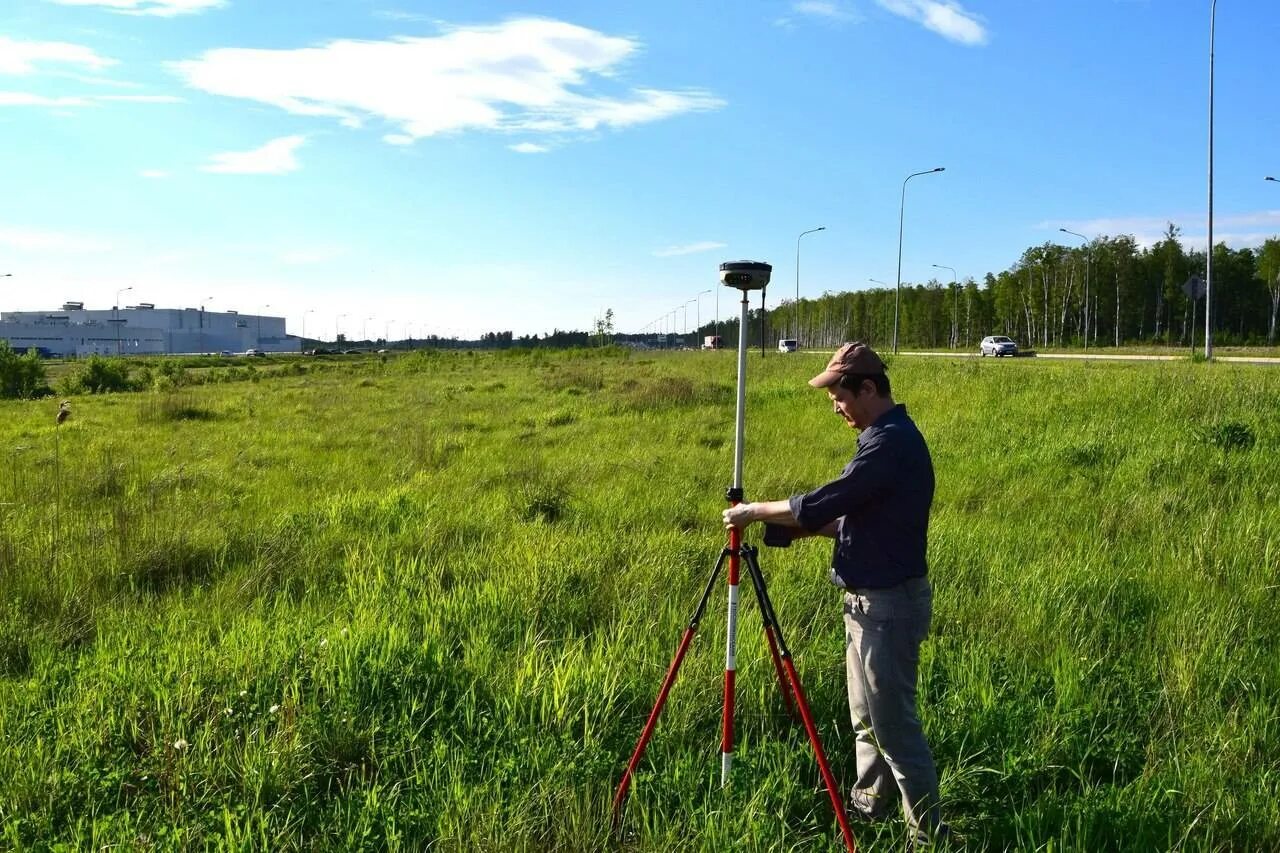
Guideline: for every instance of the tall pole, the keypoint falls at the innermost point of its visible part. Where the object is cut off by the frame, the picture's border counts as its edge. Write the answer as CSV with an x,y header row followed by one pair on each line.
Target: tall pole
x,y
202,304
258,343
1208,255
955,305
304,322
116,320
698,312
902,207
1088,261
796,334
335,327
364,328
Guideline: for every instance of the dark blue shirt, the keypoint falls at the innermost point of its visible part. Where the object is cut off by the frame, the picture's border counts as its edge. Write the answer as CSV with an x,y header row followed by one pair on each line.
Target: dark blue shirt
x,y
882,500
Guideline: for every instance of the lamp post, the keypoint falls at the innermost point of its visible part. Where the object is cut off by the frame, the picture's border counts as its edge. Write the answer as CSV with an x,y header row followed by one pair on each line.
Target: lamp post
x,y
336,333
802,233
1088,260
203,302
698,314
1208,255
116,310
364,328
902,207
304,322
955,305
686,317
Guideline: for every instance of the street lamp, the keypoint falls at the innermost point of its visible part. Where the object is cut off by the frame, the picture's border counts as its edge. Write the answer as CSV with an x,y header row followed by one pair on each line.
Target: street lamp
x,y
1088,259
902,207
336,333
116,310
802,233
1208,255
203,302
304,322
698,314
364,324
955,305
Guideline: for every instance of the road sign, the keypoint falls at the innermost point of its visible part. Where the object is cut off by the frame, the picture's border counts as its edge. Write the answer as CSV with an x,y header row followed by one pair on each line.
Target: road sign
x,y
1194,287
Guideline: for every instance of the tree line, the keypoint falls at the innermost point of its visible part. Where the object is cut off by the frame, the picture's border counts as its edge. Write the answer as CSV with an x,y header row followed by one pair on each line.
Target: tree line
x,y
1110,292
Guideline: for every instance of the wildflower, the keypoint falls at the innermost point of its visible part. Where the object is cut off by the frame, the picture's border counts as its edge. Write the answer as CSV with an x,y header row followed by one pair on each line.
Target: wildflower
x,y
324,641
244,693
229,711
344,632
273,709
180,744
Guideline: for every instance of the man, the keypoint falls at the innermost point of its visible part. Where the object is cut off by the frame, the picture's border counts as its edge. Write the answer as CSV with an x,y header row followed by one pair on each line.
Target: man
x,y
877,510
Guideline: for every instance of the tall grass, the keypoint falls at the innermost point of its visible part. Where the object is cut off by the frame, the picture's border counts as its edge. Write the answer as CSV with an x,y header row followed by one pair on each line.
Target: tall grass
x,y
428,604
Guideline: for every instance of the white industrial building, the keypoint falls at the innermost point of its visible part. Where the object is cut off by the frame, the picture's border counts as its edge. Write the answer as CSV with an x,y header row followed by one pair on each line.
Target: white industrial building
x,y
143,329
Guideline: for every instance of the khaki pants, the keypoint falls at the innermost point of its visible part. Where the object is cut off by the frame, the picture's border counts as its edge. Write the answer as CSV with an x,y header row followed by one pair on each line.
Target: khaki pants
x,y
883,632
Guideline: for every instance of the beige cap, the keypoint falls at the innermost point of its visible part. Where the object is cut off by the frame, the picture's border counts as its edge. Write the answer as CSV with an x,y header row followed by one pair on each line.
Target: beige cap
x,y
856,357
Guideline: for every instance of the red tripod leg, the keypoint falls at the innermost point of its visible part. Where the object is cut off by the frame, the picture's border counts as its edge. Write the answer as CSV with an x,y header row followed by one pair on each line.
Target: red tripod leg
x,y
771,624
625,784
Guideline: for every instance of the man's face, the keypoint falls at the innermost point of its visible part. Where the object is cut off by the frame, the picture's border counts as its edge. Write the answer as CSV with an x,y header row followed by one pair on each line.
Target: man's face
x,y
850,405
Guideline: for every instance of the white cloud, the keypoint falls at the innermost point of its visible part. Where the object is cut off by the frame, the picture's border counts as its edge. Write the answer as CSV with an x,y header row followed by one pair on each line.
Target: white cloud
x,y
527,75
944,17
688,249
27,99
141,99
529,148
35,240
21,57
274,158
159,8
827,9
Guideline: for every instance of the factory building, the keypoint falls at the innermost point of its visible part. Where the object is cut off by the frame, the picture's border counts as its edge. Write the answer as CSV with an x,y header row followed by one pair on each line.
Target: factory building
x,y
143,329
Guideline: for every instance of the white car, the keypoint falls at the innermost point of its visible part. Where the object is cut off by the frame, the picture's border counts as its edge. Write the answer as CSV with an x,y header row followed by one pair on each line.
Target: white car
x,y
788,345
998,345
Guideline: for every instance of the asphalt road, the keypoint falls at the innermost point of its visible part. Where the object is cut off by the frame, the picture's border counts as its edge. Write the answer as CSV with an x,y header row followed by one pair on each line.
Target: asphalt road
x,y
1240,359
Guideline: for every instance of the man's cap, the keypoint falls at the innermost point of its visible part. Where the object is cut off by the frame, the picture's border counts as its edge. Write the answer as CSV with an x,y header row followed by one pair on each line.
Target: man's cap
x,y
856,357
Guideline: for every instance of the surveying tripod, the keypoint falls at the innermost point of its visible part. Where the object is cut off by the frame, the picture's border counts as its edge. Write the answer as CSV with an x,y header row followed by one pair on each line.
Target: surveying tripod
x,y
745,276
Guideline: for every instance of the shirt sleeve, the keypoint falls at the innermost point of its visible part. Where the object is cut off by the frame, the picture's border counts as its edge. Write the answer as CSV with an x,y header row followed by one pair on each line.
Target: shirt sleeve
x,y
869,474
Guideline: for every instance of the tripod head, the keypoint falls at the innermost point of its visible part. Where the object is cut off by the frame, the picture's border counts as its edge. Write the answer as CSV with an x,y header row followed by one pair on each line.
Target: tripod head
x,y
745,275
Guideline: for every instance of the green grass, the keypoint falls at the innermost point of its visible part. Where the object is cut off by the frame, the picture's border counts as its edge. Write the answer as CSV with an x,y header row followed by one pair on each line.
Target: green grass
x,y
428,603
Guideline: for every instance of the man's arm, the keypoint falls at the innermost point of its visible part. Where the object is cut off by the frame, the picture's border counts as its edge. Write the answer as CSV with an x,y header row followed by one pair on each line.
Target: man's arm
x,y
776,513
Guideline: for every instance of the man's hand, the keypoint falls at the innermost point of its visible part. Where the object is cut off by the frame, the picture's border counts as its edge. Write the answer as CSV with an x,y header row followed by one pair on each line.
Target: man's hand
x,y
739,516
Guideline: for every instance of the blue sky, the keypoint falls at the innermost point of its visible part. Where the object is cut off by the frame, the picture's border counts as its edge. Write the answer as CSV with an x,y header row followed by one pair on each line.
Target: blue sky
x,y
452,168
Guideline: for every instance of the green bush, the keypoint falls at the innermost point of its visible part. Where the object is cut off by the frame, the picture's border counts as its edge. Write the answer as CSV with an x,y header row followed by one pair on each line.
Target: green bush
x,y
97,375
21,376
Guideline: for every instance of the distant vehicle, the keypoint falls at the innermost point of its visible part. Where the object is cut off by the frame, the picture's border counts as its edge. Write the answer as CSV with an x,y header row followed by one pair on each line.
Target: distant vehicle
x,y
351,352
226,353
711,342
319,351
381,351
788,345
254,352
997,345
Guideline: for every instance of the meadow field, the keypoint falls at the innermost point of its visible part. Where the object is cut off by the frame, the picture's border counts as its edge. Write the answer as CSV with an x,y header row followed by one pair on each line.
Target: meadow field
x,y
426,602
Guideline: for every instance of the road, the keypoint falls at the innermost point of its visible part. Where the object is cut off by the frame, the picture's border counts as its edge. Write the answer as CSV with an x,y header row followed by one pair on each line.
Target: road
x,y
1239,359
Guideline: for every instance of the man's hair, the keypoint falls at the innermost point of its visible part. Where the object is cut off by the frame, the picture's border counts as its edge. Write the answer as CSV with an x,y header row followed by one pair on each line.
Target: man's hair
x,y
853,382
